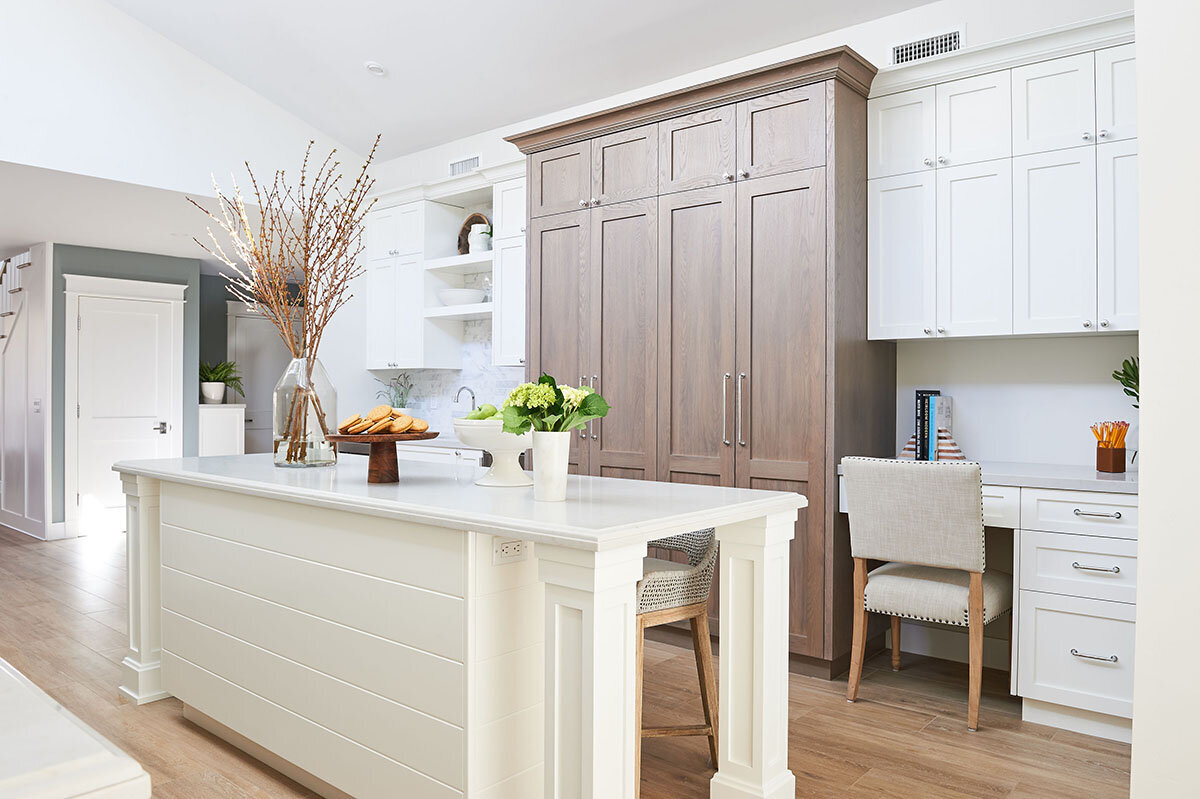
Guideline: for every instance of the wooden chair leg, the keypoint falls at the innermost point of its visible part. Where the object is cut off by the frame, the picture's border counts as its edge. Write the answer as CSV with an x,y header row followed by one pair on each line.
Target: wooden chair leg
x,y
895,643
858,640
637,713
702,645
975,632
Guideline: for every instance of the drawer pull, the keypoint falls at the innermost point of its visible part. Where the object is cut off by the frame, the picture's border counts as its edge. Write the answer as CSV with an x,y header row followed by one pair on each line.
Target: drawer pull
x,y
1113,515
1081,567
1109,659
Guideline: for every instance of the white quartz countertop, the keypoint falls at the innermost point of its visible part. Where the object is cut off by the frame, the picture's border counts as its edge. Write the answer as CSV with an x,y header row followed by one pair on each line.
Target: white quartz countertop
x,y
599,513
1051,475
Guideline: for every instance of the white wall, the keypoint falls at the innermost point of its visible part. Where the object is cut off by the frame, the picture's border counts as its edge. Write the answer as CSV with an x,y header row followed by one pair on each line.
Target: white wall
x,y
1166,693
985,21
97,93
1020,399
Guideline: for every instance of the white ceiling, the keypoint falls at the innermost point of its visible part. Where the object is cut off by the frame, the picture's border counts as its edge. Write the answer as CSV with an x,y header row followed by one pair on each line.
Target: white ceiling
x,y
39,205
457,68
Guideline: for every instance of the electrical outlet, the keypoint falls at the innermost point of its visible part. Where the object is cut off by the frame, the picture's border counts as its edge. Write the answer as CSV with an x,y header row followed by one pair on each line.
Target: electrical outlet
x,y
511,551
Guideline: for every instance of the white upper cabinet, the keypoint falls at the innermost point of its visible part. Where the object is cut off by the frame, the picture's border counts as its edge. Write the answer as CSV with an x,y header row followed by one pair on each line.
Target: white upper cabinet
x,y
901,135
901,257
974,119
974,249
383,234
1117,236
508,208
382,288
1116,94
1054,242
1054,104
508,316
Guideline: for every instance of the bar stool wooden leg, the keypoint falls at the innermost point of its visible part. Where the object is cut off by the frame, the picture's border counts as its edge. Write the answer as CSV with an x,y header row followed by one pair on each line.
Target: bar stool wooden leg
x,y
895,643
702,645
637,715
975,633
858,642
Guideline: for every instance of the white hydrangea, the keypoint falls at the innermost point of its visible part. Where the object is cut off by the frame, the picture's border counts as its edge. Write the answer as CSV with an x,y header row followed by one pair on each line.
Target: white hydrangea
x,y
573,396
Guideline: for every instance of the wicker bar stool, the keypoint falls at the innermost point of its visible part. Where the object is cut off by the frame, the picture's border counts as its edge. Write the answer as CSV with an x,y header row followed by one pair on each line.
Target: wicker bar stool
x,y
670,592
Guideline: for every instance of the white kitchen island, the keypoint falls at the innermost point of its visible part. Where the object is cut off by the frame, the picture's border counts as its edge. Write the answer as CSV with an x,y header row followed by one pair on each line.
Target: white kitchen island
x,y
370,641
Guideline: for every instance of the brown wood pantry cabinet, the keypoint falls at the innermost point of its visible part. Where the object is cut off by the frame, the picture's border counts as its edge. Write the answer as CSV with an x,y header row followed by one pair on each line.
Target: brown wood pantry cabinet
x,y
699,258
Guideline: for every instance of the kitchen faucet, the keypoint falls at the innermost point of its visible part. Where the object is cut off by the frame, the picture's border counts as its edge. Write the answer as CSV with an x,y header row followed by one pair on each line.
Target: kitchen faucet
x,y
458,394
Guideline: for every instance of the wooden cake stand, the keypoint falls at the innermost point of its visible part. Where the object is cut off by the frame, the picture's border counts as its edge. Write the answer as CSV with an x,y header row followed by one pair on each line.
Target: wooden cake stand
x,y
381,468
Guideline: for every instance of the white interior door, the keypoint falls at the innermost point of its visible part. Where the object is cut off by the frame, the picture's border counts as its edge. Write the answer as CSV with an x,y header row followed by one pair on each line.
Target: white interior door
x,y
254,345
128,389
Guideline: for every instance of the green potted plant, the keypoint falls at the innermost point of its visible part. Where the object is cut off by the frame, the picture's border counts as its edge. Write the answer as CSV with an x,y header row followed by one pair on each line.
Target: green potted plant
x,y
395,392
1129,376
215,379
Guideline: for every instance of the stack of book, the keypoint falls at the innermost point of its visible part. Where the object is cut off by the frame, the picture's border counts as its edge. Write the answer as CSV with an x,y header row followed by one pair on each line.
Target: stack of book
x,y
933,423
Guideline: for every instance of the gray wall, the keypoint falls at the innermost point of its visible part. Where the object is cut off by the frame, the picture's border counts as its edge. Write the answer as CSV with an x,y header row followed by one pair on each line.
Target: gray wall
x,y
213,318
71,260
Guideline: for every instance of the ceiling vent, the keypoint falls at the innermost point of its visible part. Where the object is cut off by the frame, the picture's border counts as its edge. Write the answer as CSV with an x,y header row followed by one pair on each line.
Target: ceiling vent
x,y
464,166
928,47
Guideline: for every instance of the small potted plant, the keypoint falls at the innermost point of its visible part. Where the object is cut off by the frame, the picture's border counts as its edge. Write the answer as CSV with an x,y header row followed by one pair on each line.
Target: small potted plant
x,y
215,379
395,392
551,411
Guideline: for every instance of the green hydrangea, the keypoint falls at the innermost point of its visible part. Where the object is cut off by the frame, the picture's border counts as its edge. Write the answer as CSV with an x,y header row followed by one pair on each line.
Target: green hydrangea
x,y
573,396
531,396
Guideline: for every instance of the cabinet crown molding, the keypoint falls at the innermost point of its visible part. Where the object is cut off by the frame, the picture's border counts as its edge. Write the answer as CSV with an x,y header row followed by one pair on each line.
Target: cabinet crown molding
x,y
839,63
1080,37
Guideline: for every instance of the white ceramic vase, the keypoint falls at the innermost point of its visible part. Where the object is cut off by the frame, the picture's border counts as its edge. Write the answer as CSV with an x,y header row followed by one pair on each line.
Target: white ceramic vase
x,y
550,451
212,393
478,240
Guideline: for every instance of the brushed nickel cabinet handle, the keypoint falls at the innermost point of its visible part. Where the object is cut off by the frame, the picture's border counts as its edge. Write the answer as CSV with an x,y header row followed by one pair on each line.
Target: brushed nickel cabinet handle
x,y
740,440
1085,656
594,422
17,290
725,409
583,430
1081,567
1097,514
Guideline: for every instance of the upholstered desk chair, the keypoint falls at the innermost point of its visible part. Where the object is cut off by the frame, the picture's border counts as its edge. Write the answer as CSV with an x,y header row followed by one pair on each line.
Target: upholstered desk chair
x,y
670,592
926,520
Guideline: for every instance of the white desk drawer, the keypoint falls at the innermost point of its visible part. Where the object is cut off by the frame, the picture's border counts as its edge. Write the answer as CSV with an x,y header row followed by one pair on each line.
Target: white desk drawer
x,y
1087,512
1076,652
1002,506
1079,565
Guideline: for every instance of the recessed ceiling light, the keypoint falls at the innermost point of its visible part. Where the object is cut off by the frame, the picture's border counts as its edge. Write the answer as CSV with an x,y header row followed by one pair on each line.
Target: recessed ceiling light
x,y
375,68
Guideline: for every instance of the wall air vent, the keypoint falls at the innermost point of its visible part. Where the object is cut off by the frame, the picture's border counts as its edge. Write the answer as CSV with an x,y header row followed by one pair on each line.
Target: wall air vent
x,y
928,47
464,166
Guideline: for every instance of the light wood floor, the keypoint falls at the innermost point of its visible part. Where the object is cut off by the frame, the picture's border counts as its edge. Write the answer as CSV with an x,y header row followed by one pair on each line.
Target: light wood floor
x,y
62,623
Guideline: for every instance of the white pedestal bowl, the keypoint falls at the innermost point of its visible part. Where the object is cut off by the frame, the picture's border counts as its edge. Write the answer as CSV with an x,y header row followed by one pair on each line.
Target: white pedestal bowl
x,y
505,448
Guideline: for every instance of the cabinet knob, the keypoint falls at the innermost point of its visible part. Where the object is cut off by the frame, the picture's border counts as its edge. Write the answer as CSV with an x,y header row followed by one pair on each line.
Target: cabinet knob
x,y
941,331
595,201
583,203
1087,136
1103,134
726,176
929,331
743,173
1087,322
941,159
928,162
522,228
1103,323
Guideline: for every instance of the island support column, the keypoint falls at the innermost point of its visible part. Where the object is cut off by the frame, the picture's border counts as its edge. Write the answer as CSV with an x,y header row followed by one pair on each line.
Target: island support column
x,y
141,670
591,641
753,682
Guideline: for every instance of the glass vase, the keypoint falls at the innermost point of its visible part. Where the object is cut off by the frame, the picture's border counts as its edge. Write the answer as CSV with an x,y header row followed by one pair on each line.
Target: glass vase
x,y
305,414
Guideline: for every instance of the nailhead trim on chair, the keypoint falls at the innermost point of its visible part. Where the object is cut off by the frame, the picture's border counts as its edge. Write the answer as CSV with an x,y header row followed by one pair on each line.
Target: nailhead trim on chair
x,y
966,622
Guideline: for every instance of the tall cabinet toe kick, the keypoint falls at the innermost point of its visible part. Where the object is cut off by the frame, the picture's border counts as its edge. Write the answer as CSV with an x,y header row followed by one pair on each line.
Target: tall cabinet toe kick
x,y
1074,591
700,258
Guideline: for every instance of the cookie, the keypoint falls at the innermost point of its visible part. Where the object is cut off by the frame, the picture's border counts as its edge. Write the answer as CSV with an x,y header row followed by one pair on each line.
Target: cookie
x,y
349,422
358,427
418,426
401,424
379,412
381,426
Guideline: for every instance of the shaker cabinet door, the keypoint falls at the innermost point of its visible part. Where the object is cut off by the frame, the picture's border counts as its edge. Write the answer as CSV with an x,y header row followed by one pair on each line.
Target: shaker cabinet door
x,y
623,317
1054,104
558,256
508,311
901,135
1116,94
1054,242
697,150
779,382
781,132
560,179
508,209
901,256
625,165
974,249
382,285
696,284
974,119
1117,235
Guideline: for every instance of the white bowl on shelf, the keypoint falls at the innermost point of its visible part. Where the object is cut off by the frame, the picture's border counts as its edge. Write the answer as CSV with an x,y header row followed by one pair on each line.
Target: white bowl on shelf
x,y
460,296
506,448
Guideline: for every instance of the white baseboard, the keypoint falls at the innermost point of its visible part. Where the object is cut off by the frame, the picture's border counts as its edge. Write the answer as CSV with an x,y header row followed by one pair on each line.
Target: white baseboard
x,y
1088,722
950,643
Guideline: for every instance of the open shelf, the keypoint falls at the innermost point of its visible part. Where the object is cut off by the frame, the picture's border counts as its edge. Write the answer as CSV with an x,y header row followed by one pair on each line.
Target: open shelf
x,y
462,264
475,310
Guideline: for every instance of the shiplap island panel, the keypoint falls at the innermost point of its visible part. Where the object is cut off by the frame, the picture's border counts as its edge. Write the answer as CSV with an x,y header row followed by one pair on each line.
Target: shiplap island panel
x,y
364,637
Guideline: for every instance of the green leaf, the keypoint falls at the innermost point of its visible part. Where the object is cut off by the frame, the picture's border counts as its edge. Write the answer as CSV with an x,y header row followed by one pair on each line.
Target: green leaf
x,y
594,406
515,421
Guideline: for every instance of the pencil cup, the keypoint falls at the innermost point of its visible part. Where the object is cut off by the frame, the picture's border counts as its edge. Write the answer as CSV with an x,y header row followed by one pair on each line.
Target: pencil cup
x,y
1110,459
